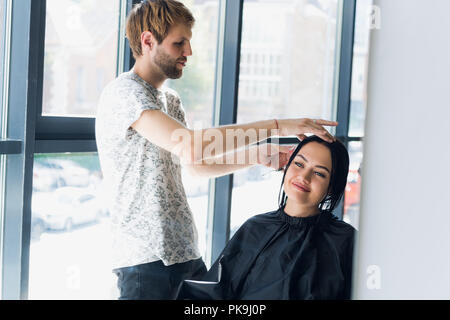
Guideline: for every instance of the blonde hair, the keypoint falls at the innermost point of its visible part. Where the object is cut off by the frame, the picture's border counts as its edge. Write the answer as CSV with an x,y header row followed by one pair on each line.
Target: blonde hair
x,y
156,16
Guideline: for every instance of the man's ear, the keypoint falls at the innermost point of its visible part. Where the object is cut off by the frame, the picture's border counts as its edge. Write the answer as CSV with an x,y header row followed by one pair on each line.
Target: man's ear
x,y
147,41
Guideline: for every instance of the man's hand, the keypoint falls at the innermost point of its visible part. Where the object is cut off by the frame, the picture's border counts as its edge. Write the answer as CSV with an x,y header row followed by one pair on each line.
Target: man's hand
x,y
300,127
274,156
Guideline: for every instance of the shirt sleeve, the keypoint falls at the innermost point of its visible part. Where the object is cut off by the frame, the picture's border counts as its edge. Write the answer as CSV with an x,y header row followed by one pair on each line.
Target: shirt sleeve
x,y
176,109
183,119
128,100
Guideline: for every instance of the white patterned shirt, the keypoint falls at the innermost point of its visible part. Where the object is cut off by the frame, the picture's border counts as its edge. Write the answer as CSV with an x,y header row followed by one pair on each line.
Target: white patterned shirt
x,y
150,216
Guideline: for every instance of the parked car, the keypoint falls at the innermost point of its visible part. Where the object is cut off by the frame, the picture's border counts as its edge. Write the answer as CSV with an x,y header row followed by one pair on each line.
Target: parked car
x,y
352,190
47,177
50,174
66,207
72,173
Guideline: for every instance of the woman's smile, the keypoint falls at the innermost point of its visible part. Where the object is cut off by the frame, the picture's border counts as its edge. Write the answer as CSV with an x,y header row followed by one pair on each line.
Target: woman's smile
x,y
301,187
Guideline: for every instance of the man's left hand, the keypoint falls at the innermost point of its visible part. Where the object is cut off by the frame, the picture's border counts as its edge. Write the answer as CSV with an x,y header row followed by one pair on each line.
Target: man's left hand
x,y
274,156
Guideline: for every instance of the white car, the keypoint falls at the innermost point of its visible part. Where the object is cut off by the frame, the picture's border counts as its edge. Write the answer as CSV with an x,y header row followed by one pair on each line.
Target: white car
x,y
66,207
73,174
47,177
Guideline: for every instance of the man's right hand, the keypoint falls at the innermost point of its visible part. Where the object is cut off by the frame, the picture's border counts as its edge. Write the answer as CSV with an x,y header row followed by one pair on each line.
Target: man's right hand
x,y
300,127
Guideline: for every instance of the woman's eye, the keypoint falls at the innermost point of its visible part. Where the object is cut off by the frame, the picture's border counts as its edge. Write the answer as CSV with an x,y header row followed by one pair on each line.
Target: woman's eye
x,y
298,164
178,43
320,174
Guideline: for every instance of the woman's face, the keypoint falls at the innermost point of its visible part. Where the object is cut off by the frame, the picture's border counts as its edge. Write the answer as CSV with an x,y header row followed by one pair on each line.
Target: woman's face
x,y
308,177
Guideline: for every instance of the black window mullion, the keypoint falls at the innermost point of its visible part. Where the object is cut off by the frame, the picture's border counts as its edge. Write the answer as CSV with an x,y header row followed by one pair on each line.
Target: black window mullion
x,y
65,128
11,146
345,69
65,146
39,44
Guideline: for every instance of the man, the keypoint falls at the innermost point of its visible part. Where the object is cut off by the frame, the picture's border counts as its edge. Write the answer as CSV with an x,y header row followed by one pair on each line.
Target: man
x,y
142,136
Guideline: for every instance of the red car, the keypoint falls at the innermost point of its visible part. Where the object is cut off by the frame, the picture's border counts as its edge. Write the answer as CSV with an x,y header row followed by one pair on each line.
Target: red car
x,y
352,190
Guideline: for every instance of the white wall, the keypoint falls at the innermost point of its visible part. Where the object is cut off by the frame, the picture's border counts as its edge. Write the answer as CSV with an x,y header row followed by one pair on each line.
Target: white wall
x,y
405,208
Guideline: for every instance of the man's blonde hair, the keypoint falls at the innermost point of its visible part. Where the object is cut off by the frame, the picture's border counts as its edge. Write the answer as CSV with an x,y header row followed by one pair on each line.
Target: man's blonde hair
x,y
156,16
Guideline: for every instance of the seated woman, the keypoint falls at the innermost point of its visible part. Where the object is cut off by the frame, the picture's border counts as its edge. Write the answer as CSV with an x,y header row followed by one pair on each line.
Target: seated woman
x,y
300,251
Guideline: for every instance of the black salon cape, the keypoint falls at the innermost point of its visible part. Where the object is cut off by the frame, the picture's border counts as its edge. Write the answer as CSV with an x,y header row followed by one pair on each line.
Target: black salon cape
x,y
274,256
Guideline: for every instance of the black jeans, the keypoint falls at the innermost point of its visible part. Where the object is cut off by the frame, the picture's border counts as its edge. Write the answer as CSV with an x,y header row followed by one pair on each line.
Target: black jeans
x,y
155,281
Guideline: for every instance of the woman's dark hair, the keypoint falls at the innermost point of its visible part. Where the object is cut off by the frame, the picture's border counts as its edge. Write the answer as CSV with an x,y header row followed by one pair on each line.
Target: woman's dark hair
x,y
339,172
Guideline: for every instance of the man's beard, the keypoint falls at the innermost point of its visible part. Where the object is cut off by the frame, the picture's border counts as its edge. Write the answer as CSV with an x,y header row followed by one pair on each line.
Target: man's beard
x,y
167,65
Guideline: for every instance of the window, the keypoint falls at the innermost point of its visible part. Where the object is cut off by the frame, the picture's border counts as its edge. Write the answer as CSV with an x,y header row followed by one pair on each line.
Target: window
x,y
300,37
81,37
